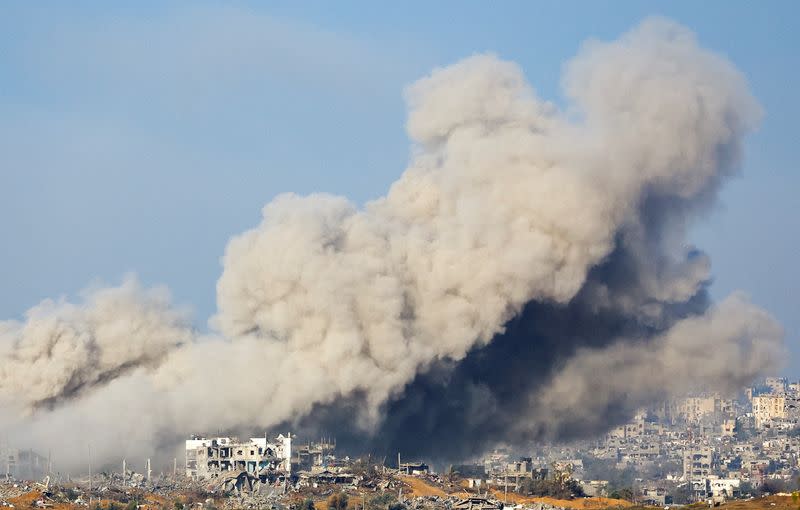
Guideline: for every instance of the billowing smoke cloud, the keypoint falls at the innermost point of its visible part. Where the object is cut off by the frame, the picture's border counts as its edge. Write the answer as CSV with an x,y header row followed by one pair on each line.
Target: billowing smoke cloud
x,y
62,350
723,349
527,276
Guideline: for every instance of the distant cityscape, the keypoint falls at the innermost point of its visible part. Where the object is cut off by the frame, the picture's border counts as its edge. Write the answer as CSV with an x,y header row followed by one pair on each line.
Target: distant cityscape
x,y
703,447
697,447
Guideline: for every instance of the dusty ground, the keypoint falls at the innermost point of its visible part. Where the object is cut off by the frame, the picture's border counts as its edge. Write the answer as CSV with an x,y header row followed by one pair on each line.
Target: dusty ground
x,y
767,503
147,502
419,487
577,503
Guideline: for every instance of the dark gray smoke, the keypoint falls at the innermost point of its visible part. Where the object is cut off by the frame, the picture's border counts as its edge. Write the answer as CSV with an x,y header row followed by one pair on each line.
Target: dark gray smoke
x,y
493,397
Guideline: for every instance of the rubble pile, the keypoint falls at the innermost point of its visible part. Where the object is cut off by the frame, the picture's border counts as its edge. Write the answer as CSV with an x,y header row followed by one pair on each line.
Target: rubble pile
x,y
9,490
367,485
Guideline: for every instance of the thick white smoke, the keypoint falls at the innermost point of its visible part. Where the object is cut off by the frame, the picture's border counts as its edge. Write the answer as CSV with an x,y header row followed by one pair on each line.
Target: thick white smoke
x,y
506,200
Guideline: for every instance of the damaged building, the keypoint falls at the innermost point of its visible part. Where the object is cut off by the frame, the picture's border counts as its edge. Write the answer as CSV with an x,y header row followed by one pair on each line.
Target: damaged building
x,y
414,468
208,458
313,454
20,464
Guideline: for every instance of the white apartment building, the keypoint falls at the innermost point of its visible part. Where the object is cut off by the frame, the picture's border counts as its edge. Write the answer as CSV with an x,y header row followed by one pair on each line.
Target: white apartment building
x,y
209,457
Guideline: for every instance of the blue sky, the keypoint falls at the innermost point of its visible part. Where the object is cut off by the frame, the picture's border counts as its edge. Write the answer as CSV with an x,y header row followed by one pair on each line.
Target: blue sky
x,y
139,137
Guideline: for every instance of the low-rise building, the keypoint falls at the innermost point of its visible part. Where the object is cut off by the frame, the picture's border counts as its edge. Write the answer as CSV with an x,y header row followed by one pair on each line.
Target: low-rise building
x,y
655,496
728,427
414,468
726,487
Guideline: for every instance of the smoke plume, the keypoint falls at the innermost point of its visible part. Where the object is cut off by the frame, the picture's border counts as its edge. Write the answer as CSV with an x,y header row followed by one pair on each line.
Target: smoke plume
x,y
526,277
63,350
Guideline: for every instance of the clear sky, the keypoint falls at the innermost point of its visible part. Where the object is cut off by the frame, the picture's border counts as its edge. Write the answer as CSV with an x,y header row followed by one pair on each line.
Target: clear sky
x,y
139,136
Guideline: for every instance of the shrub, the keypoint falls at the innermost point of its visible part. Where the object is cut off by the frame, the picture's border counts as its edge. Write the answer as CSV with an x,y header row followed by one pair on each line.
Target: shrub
x,y
338,501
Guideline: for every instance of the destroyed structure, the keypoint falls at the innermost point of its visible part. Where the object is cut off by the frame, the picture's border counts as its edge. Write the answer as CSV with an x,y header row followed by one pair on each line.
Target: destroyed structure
x,y
704,447
315,454
208,458
22,464
414,468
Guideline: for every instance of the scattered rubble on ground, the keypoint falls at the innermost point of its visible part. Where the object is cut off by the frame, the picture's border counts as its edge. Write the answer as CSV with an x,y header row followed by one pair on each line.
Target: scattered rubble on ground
x,y
366,491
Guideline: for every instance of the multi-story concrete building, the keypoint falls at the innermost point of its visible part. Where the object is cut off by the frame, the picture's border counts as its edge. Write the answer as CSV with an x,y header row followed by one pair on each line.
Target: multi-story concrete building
x,y
209,457
635,428
776,385
698,462
694,409
767,408
313,453
22,464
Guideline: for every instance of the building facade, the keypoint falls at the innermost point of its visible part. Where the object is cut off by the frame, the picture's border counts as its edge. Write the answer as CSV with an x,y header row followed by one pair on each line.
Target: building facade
x,y
209,457
767,408
698,463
